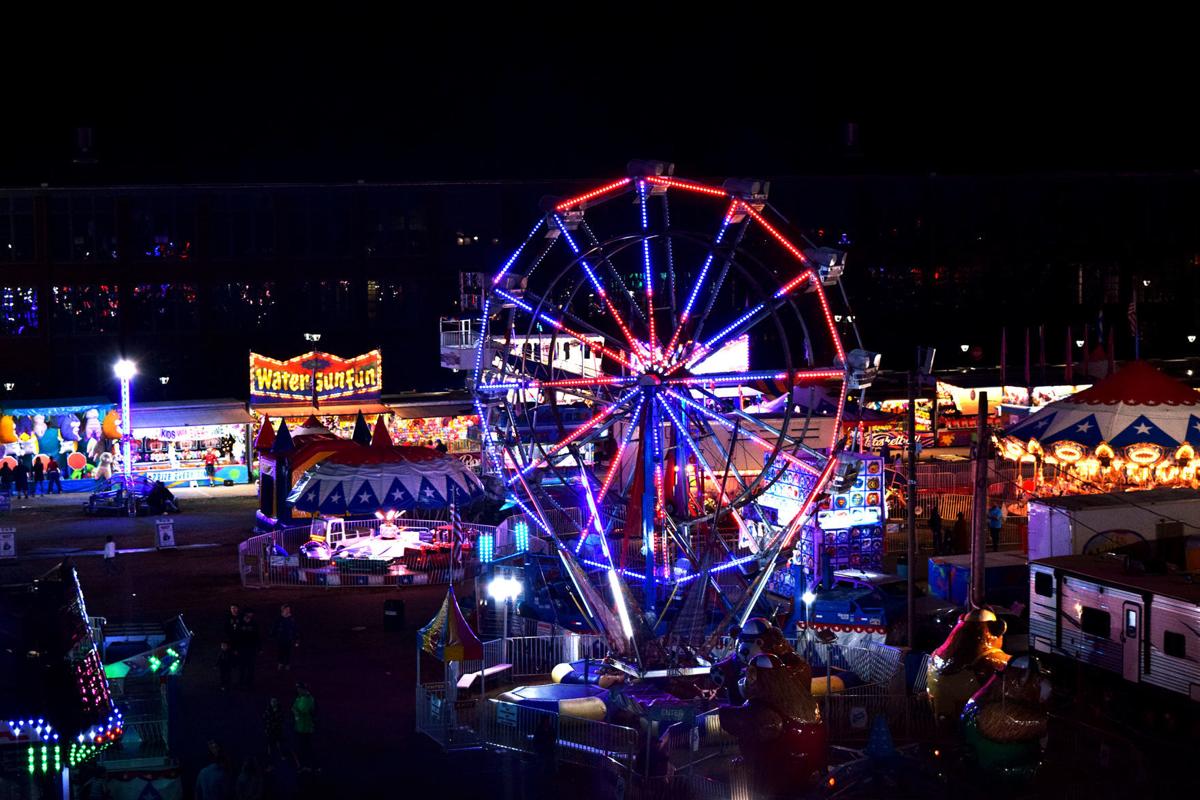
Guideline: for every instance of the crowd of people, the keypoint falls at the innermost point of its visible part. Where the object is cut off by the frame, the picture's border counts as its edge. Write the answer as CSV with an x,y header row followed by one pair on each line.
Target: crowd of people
x,y
25,480
239,653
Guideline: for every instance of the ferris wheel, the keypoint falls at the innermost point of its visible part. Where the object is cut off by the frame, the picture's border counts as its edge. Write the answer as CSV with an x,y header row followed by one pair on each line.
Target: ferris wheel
x,y
659,353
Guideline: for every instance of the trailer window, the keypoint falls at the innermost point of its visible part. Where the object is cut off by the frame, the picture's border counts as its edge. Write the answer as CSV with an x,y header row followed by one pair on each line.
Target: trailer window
x,y
1174,644
1043,584
1095,621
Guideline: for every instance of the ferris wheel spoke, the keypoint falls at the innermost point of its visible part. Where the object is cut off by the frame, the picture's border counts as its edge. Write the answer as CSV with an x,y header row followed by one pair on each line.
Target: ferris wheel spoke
x,y
614,467
592,428
583,327
671,284
560,326
704,269
721,420
614,273
594,279
681,427
564,384
647,270
737,378
702,351
728,456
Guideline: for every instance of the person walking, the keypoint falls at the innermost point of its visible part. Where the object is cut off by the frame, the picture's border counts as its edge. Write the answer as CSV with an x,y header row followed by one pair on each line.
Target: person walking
x,y
247,648
995,523
960,536
21,479
110,556
6,479
286,637
53,478
885,453
304,709
225,659
38,474
273,728
935,528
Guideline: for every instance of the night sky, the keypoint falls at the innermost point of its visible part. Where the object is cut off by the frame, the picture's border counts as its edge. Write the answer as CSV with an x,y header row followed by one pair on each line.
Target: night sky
x,y
558,106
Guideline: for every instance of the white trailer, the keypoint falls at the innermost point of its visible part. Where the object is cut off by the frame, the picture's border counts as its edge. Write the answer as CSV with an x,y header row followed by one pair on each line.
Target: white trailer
x,y
1110,613
1095,523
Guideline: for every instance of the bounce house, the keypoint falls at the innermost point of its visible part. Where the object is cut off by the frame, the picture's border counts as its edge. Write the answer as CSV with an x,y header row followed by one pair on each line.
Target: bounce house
x,y
311,471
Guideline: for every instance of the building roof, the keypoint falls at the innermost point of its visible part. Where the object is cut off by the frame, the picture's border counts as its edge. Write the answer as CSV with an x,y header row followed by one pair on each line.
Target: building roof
x,y
1111,570
1077,502
186,413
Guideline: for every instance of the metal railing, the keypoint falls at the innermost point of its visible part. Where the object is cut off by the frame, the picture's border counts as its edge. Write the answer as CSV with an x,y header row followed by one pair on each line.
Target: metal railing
x,y
274,559
513,727
538,655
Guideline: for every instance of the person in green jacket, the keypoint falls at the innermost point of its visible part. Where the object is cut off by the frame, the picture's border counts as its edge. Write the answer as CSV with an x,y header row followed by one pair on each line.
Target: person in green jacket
x,y
304,709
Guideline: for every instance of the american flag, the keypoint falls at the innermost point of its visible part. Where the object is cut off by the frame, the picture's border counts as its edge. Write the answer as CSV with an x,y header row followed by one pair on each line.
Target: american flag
x,y
1133,325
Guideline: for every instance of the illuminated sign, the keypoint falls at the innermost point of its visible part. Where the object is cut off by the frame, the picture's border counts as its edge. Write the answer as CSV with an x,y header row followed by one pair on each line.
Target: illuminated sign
x,y
315,375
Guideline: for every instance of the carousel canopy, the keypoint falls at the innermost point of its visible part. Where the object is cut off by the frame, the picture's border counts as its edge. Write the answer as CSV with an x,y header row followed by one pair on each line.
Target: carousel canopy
x,y
1137,405
448,636
365,482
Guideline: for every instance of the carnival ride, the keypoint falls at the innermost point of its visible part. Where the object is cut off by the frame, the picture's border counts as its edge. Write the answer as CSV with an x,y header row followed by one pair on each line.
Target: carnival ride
x,y
664,278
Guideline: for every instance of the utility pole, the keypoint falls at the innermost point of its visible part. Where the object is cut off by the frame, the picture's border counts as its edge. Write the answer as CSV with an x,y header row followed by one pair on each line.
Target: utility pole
x,y
912,503
979,505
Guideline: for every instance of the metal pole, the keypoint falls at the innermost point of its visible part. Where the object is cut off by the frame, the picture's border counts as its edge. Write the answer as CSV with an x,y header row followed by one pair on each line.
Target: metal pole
x,y
979,501
127,428
649,512
912,506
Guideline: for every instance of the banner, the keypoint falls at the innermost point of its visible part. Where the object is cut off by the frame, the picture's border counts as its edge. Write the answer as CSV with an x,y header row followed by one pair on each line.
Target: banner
x,y
318,376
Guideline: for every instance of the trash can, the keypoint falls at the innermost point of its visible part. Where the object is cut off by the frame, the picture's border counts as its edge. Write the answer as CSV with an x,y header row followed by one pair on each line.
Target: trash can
x,y
902,566
393,615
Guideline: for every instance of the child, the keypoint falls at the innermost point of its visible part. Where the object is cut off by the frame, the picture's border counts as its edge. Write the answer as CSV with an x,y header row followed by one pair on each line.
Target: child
x,y
225,666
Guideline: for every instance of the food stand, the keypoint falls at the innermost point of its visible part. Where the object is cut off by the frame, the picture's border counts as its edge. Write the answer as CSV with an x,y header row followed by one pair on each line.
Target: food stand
x,y
173,438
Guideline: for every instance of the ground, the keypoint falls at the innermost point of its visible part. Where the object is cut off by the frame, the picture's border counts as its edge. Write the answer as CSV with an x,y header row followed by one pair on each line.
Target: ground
x,y
363,678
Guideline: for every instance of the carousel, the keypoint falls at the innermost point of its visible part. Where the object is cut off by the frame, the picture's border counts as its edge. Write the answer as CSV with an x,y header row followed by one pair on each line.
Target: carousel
x,y
1137,429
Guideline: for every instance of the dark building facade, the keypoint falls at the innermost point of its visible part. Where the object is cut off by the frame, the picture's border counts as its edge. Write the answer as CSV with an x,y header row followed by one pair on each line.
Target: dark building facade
x,y
187,279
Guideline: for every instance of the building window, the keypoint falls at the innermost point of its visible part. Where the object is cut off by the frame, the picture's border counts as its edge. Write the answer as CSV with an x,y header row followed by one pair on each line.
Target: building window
x,y
16,228
162,227
83,228
1095,621
18,310
164,307
88,308
1175,644
245,305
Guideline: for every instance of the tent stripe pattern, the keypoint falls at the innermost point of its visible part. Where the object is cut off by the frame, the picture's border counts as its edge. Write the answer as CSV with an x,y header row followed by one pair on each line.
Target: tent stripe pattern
x,y
330,488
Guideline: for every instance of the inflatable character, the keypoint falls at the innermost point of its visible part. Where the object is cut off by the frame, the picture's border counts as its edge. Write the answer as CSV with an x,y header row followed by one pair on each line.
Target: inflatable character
x,y
111,426
92,432
778,728
8,429
1005,722
970,656
39,425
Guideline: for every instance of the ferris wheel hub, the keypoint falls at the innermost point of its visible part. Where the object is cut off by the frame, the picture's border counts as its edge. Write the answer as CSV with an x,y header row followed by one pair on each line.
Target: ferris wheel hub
x,y
649,379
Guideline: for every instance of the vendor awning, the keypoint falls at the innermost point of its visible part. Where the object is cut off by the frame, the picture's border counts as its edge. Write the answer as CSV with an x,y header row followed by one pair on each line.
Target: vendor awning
x,y
326,410
176,414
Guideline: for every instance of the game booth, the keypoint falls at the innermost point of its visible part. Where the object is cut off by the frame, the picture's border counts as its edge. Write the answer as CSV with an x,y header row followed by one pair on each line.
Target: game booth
x,y
360,510
80,434
1136,429
329,388
175,440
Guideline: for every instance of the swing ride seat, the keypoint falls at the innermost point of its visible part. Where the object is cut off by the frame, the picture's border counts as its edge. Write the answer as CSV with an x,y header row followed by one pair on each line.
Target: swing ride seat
x,y
468,680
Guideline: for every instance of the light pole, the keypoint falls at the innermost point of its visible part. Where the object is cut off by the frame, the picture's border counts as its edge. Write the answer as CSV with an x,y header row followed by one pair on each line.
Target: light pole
x,y
125,370
502,589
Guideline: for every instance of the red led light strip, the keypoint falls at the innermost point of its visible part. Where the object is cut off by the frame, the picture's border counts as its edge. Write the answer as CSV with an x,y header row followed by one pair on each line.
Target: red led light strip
x,y
578,432
779,237
690,186
592,195
833,334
